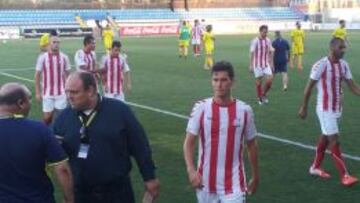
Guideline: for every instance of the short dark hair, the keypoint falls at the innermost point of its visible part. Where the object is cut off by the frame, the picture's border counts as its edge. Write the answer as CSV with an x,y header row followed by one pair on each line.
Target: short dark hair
x,y
335,40
88,39
262,27
88,80
116,44
341,21
11,98
53,33
224,66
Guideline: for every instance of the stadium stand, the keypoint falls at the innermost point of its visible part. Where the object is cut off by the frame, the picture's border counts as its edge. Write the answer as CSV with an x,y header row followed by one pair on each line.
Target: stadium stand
x,y
68,17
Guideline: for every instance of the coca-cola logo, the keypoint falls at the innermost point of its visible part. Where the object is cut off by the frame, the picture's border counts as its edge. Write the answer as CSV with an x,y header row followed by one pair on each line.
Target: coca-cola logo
x,y
148,30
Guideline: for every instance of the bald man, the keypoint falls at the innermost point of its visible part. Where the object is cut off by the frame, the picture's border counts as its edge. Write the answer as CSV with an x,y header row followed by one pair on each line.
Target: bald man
x,y
25,147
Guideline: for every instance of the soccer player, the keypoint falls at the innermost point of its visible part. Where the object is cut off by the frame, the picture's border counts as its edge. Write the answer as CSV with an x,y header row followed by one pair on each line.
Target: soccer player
x,y
222,124
261,63
297,46
196,35
85,58
52,68
340,32
116,72
208,39
107,35
281,57
327,74
184,38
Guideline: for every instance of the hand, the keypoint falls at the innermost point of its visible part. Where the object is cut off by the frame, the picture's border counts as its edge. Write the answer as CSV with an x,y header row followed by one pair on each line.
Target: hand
x,y
302,112
153,187
38,97
195,179
252,185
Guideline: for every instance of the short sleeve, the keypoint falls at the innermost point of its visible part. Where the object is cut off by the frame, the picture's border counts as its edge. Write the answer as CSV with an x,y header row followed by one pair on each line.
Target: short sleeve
x,y
250,127
39,63
347,71
193,125
316,70
253,45
79,59
103,62
54,152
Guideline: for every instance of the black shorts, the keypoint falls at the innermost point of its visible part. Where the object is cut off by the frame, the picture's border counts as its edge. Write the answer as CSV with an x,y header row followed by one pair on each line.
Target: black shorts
x,y
280,67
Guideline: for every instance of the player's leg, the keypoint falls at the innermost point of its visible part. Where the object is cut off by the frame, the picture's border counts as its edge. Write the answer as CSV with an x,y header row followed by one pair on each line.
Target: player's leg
x,y
299,61
292,56
186,45
320,152
268,83
48,107
285,80
208,58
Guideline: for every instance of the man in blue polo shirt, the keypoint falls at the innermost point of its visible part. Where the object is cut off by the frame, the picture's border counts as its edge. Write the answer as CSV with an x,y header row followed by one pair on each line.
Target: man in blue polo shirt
x,y
281,57
100,135
25,147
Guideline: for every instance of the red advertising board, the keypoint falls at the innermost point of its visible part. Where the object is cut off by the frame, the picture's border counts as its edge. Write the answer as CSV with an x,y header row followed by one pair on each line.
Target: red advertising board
x,y
148,30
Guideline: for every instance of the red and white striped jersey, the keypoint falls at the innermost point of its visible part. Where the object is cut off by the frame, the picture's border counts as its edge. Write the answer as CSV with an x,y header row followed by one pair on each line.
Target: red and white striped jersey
x,y
329,76
53,68
196,32
222,131
83,58
115,67
261,48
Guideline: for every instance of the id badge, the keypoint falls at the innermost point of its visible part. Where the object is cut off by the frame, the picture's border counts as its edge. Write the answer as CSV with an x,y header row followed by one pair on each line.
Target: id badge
x,y
83,151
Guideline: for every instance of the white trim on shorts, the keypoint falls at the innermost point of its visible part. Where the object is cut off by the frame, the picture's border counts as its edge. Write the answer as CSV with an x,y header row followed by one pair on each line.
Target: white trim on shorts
x,y
260,72
51,103
206,197
329,122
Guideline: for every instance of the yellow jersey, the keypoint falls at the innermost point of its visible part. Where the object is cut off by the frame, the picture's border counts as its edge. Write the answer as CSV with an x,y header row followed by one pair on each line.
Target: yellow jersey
x,y
108,34
340,33
208,39
44,40
297,36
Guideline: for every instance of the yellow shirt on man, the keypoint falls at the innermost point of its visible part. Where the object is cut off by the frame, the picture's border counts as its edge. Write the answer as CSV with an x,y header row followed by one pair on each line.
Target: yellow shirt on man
x,y
208,39
340,33
297,38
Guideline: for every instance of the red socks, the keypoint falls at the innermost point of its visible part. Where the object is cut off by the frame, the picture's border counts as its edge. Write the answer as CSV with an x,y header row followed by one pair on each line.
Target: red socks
x,y
339,161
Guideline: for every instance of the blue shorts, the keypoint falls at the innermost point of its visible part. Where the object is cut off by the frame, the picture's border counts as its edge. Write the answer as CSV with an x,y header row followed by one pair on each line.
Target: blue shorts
x,y
280,67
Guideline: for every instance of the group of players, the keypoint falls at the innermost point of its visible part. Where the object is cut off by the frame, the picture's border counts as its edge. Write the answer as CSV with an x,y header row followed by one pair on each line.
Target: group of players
x,y
201,37
219,119
53,66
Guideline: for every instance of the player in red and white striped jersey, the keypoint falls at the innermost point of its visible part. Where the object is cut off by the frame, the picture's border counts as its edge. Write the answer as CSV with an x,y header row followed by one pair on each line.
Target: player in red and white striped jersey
x,y
116,73
85,59
328,74
196,36
52,68
222,124
261,63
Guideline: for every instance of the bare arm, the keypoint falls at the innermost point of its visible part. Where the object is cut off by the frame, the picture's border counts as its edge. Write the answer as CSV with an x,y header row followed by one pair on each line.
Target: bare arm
x,y
353,87
127,81
64,177
251,68
253,159
307,93
37,85
189,149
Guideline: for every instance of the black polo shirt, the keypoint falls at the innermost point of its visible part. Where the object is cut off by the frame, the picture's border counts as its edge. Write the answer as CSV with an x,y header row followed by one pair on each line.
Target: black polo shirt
x,y
113,135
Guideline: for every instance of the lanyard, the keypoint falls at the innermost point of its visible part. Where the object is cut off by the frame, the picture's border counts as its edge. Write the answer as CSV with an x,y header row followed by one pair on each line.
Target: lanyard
x,y
86,124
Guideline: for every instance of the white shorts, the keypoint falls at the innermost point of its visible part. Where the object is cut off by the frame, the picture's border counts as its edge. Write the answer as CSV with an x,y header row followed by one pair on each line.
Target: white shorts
x,y
120,96
329,122
195,41
49,104
260,72
206,197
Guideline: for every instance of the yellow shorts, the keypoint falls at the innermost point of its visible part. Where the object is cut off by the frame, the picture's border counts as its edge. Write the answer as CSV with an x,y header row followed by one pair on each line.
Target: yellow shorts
x,y
107,44
209,50
297,49
183,43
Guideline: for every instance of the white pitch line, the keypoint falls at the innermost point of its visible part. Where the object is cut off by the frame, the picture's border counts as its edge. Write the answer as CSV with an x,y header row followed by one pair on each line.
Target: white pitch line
x,y
17,69
269,137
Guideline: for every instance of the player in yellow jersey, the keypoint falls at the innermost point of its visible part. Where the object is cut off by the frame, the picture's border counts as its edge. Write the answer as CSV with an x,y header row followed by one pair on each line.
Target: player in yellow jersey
x,y
340,32
208,39
107,35
297,46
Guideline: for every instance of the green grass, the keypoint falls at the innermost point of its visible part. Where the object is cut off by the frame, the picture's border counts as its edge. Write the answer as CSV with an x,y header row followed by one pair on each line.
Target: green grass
x,y
162,80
